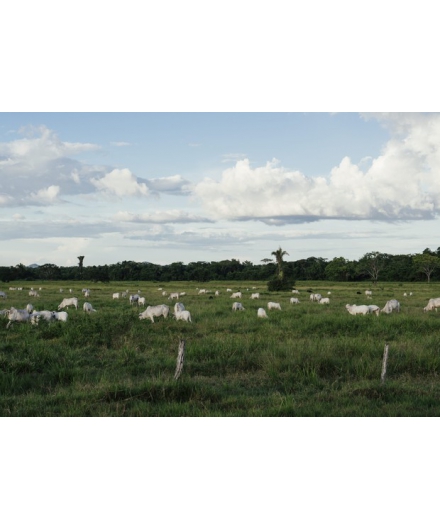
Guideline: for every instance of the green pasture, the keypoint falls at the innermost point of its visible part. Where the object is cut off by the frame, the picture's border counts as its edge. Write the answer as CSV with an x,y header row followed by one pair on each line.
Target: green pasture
x,y
306,360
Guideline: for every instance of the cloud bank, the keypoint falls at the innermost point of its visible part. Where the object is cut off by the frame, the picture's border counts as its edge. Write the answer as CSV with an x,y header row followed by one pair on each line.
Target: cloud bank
x,y
401,184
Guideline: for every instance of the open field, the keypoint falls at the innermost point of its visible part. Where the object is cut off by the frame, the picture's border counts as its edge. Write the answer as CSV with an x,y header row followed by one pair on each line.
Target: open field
x,y
306,360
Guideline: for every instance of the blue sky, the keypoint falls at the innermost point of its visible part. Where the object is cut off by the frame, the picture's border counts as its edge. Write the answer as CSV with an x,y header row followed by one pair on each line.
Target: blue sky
x,y
167,187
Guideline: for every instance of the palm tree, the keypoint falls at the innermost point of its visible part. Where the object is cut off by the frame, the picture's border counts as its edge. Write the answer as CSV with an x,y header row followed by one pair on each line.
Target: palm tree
x,y
80,265
279,259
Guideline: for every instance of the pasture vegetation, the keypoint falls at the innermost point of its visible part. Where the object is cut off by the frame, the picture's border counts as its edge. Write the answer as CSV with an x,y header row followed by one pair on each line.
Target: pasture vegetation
x,y
306,360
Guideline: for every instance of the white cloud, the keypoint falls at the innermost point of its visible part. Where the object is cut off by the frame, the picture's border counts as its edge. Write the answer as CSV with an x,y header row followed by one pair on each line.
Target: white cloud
x,y
122,183
120,144
46,195
400,184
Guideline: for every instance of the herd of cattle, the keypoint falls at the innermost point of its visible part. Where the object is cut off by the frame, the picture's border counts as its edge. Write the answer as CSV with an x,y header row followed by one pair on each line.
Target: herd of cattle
x,y
29,314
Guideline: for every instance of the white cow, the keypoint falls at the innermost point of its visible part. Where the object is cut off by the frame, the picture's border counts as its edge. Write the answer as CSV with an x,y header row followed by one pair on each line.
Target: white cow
x,y
116,296
87,307
369,293
254,296
2,294
273,305
164,293
433,303
295,291
357,309
324,301
68,302
374,309
261,313
33,293
45,315
183,315
237,306
29,308
294,301
141,301
155,311
390,306
217,293
235,295
173,295
182,294
17,315
178,306
124,294
229,290
61,316
134,298
315,297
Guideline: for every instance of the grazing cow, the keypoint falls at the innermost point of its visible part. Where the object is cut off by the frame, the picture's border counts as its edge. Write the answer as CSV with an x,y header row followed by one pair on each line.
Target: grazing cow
x,y
235,295
115,296
134,298
141,301
295,291
68,302
178,306
32,292
368,293
315,297
17,315
254,296
273,305
2,294
183,315
236,306
390,306
374,309
229,290
124,294
261,313
60,316
155,311
294,301
173,295
45,315
433,303
182,294
324,301
217,293
357,309
87,307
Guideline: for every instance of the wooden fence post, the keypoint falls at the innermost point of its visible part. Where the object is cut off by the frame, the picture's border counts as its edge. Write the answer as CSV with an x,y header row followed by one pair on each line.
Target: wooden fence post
x,y
384,364
180,359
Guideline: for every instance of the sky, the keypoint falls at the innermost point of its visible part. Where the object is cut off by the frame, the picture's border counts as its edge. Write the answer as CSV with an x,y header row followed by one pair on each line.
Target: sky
x,y
208,186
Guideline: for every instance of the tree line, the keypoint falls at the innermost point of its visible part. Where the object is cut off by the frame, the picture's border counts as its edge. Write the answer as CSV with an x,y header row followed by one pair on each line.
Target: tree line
x,y
372,267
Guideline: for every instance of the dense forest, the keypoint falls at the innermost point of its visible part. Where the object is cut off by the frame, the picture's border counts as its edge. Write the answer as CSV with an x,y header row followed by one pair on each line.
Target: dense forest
x,y
372,267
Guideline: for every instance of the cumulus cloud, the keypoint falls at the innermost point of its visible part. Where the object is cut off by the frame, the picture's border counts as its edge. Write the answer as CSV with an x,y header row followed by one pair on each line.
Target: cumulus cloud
x,y
169,216
121,183
400,184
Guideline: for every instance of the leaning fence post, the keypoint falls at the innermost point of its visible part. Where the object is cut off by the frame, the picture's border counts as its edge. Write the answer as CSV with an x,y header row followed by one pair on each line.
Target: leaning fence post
x,y
384,364
180,359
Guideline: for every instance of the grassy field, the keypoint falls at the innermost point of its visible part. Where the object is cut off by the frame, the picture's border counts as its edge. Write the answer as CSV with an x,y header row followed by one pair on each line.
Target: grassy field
x,y
306,360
